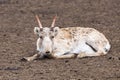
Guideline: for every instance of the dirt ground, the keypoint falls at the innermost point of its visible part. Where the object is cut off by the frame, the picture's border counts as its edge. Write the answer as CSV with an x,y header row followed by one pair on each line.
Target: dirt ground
x,y
17,40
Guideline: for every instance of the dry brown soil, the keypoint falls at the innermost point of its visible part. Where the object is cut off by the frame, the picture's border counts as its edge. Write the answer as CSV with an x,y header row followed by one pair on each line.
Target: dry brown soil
x,y
17,40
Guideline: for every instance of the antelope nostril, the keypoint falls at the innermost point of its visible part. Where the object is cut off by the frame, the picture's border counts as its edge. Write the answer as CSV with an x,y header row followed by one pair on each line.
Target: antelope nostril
x,y
47,52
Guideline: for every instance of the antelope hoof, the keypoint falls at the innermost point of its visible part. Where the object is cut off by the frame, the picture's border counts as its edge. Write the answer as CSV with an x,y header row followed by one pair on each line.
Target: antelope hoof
x,y
81,55
25,59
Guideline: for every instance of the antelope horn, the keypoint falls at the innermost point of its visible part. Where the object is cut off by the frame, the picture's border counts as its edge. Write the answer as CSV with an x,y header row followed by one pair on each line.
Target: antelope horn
x,y
53,23
38,20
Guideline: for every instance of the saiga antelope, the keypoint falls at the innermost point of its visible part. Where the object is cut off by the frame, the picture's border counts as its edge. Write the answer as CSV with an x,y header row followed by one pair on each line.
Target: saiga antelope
x,y
55,42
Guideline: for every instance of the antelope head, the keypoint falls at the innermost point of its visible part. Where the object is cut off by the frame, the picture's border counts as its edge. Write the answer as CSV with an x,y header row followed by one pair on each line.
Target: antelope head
x,y
46,36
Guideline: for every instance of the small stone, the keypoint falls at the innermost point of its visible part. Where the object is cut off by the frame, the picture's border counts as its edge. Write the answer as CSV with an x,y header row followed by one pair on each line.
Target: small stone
x,y
118,58
4,50
4,35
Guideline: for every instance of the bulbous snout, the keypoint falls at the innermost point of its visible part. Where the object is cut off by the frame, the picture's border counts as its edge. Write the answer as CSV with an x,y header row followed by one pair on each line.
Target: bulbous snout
x,y
47,45
47,52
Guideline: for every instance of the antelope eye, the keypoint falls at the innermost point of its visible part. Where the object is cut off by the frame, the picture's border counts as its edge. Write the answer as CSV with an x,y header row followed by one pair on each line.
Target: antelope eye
x,y
52,36
41,37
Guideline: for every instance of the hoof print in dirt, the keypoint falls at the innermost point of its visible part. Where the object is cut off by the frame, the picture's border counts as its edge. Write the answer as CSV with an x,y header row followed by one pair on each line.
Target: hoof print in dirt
x,y
66,61
110,58
12,68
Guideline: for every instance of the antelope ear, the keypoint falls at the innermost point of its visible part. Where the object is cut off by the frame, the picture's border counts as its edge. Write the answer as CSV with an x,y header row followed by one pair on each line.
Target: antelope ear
x,y
56,30
36,30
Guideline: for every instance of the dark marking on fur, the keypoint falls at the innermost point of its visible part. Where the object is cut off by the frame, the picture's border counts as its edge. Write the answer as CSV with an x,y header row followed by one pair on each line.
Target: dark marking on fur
x,y
91,47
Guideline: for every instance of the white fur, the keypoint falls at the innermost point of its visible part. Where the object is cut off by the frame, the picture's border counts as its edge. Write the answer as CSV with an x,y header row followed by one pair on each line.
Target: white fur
x,y
60,44
69,42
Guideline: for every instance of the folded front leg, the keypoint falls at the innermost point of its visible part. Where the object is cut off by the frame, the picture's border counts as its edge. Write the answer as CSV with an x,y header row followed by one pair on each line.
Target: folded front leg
x,y
35,56
31,58
64,56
